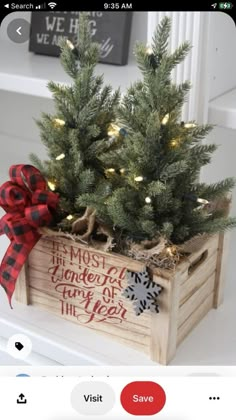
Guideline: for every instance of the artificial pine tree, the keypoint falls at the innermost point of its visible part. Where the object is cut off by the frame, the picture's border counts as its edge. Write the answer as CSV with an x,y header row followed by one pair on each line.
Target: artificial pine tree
x,y
79,129
142,180
158,193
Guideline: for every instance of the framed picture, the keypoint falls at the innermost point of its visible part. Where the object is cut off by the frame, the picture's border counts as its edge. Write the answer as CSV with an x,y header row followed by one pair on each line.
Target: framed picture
x,y
110,29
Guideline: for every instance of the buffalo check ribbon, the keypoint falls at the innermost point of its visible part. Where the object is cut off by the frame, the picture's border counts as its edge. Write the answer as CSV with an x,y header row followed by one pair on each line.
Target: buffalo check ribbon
x,y
28,205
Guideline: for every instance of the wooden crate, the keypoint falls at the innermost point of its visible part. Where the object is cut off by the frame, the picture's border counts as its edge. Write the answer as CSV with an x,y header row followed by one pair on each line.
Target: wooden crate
x,y
84,286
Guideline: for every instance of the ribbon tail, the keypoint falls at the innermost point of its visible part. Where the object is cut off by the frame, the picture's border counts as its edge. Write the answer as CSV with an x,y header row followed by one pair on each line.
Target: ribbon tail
x,y
9,300
1,227
11,265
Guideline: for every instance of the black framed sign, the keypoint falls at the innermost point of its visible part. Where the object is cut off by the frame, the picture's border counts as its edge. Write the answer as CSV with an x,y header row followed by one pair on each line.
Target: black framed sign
x,y
110,29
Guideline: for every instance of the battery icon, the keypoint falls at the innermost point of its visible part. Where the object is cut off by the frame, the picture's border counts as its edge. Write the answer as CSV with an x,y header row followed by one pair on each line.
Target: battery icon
x,y
225,6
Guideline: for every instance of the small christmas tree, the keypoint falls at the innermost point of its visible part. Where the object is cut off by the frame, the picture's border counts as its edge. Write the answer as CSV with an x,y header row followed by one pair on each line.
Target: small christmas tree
x,y
158,193
73,136
141,180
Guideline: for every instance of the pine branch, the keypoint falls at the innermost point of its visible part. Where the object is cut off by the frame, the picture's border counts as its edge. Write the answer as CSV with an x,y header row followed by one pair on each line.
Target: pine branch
x,y
161,37
37,163
178,95
219,189
153,126
146,212
217,225
88,51
143,59
167,230
86,181
200,155
148,227
117,212
60,91
173,170
178,55
68,60
156,188
198,133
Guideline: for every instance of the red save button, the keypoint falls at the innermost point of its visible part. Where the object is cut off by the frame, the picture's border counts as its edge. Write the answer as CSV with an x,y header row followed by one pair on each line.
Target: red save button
x,y
143,398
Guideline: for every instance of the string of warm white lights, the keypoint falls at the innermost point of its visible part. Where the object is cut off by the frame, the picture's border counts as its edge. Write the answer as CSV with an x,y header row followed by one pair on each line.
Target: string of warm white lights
x,y
149,50
165,119
58,122
61,156
138,178
113,132
52,185
70,45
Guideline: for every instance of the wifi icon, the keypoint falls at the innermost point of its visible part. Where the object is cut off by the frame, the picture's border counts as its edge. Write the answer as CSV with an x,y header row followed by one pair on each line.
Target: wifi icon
x,y
52,5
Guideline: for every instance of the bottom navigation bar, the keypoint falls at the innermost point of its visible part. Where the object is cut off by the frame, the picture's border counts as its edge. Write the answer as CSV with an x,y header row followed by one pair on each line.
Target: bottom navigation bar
x,y
87,397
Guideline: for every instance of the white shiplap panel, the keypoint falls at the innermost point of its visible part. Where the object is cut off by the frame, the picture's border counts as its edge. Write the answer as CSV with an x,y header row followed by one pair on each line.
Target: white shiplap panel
x,y
186,26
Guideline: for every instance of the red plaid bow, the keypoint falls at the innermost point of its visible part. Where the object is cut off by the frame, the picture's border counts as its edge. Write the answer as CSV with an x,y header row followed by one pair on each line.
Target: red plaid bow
x,y
28,206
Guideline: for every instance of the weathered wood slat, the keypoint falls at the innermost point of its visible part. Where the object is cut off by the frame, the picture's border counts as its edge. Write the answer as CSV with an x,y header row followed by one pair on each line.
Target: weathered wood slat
x,y
195,299
195,318
21,293
164,324
198,278
221,268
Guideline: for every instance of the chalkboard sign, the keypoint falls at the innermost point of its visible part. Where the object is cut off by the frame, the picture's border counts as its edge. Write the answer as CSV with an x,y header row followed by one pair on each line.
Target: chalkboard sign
x,y
110,29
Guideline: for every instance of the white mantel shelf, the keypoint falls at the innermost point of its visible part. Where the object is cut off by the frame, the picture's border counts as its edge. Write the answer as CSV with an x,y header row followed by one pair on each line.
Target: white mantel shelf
x,y
222,110
27,73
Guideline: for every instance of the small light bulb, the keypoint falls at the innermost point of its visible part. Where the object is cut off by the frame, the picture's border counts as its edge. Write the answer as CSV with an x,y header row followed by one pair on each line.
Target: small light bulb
x,y
70,45
149,50
174,143
169,251
202,201
148,200
122,171
70,217
113,130
111,170
138,178
58,122
190,125
61,156
165,119
52,185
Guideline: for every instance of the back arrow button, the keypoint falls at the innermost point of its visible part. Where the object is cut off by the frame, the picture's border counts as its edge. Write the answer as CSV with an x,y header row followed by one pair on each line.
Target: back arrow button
x,y
18,30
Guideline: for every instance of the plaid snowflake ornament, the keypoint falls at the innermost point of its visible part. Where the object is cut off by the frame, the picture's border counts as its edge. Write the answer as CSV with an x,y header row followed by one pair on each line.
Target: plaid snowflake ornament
x,y
142,291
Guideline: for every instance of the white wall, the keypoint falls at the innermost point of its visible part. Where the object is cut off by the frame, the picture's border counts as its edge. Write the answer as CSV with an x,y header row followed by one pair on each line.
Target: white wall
x,y
222,78
222,54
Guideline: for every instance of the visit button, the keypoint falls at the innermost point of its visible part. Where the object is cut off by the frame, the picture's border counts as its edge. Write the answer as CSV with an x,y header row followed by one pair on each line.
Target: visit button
x,y
143,398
